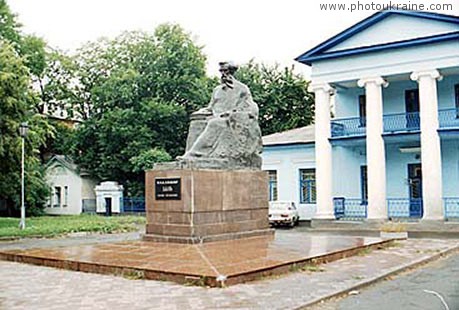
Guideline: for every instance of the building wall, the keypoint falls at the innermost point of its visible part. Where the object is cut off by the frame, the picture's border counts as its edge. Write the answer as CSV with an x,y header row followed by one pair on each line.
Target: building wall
x,y
385,63
397,170
393,96
450,168
346,170
87,189
58,175
287,161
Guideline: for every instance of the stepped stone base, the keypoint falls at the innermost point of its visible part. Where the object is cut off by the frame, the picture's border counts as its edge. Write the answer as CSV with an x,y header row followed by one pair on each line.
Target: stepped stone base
x,y
211,205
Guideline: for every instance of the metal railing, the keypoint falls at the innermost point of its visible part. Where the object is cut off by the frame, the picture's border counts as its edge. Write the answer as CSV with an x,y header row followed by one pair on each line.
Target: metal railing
x,y
401,122
451,207
404,208
448,118
132,204
350,208
348,127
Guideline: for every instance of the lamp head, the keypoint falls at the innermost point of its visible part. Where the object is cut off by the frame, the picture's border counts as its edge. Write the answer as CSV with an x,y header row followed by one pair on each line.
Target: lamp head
x,y
23,129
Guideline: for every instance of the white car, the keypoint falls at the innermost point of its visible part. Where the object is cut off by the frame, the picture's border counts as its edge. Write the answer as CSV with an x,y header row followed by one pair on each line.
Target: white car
x,y
283,213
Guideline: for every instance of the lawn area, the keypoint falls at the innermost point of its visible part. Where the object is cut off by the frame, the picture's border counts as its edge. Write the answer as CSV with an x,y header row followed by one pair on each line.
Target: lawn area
x,y
48,226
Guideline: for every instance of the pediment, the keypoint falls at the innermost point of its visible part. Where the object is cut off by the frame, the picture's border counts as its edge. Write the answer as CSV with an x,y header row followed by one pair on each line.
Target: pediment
x,y
386,29
395,28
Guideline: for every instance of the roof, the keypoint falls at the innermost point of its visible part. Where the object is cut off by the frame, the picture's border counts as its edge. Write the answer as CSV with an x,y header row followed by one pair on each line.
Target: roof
x,y
302,135
64,161
68,163
319,51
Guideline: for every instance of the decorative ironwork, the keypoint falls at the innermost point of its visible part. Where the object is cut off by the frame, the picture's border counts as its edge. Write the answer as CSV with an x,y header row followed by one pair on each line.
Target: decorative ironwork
x,y
448,118
404,208
348,127
132,204
401,122
451,205
350,208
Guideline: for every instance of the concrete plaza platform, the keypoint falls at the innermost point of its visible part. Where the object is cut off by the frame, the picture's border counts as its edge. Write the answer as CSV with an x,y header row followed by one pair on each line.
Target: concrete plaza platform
x,y
214,264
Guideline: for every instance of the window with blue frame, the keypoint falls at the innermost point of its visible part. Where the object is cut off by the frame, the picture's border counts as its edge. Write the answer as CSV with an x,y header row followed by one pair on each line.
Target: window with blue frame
x,y
272,185
364,184
307,186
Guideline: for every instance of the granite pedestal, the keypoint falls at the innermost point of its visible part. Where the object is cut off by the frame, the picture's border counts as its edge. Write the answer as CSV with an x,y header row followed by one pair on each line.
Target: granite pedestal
x,y
206,205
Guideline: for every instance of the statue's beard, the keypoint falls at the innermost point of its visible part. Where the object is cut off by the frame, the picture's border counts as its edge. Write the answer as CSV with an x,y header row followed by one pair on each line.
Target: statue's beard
x,y
227,81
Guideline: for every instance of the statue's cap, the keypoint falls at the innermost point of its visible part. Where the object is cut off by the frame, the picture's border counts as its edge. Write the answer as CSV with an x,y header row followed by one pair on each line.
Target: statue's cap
x,y
231,66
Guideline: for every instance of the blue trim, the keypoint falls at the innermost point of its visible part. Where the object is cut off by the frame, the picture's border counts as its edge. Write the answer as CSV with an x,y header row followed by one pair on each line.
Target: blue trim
x,y
366,23
310,185
271,185
293,144
401,133
285,147
380,47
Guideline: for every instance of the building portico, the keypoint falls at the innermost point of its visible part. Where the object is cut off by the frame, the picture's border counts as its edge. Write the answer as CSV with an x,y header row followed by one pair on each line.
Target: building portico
x,y
395,125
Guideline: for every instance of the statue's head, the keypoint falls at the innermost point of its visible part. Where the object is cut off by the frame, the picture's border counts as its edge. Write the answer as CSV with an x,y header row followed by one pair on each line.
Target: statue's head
x,y
227,69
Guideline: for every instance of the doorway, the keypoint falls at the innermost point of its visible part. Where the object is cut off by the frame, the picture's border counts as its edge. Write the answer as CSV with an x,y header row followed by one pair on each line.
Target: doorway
x,y
412,109
108,206
415,190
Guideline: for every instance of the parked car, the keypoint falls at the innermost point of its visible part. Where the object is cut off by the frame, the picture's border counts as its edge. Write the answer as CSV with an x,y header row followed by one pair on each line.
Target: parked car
x,y
283,213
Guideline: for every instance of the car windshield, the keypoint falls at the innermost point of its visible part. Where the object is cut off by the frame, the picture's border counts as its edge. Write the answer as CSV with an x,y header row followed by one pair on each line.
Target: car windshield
x,y
279,206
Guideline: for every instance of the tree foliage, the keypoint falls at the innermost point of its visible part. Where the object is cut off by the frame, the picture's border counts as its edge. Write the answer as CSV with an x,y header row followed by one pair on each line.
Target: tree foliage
x,y
281,95
138,90
16,101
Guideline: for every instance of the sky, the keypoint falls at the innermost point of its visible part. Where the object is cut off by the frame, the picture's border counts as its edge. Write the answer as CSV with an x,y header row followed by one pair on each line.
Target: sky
x,y
269,32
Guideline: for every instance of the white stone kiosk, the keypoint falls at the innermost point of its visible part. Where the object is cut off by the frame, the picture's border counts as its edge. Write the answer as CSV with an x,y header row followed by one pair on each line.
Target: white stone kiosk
x,y
108,197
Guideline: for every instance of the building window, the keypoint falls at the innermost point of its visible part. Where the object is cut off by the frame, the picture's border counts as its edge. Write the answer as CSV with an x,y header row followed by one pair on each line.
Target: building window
x,y
66,196
57,197
363,110
456,97
364,184
307,186
272,185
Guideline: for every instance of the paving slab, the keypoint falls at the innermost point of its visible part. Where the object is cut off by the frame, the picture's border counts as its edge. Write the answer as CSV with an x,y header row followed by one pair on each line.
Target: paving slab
x,y
218,263
24,286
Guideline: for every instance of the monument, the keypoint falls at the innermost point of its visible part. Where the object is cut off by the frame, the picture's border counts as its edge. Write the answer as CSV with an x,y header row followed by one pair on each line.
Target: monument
x,y
216,190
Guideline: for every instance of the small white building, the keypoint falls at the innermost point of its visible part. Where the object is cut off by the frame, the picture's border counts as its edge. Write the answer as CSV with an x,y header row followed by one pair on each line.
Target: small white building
x,y
69,186
289,158
109,196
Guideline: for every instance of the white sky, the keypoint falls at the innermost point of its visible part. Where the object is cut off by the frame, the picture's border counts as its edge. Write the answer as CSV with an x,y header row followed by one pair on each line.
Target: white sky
x,y
238,30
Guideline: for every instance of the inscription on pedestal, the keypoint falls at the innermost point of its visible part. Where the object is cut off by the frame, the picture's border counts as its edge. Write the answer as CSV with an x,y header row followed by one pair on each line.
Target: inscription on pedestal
x,y
167,188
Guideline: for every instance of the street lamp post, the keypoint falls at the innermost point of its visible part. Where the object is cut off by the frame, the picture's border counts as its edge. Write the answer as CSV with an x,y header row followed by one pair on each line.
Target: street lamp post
x,y
23,129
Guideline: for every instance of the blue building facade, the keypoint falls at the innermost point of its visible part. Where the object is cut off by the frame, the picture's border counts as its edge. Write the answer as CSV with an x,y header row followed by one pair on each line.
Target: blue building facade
x,y
391,149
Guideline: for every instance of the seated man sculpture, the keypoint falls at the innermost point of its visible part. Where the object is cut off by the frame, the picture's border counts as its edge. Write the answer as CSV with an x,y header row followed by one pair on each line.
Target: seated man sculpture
x,y
228,136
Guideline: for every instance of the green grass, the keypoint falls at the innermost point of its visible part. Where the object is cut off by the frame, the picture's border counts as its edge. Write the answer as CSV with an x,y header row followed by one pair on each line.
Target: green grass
x,y
50,226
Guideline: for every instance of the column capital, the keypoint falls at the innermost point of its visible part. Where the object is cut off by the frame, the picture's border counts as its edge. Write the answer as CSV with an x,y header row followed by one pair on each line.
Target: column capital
x,y
375,79
433,74
313,87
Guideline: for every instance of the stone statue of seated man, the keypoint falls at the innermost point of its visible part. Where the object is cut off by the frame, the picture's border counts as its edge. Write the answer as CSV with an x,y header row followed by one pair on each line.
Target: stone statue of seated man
x,y
226,134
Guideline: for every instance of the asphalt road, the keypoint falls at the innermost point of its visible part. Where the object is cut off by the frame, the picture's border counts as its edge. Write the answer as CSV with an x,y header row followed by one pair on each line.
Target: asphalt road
x,y
415,290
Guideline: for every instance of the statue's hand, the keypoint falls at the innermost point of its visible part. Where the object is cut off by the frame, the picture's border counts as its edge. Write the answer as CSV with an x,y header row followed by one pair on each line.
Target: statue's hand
x,y
205,110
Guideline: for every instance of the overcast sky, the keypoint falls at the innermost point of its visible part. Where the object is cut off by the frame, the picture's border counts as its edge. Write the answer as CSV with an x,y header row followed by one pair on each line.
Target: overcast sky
x,y
238,30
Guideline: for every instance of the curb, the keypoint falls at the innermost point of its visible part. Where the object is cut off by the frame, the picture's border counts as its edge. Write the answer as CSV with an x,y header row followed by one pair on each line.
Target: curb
x,y
394,271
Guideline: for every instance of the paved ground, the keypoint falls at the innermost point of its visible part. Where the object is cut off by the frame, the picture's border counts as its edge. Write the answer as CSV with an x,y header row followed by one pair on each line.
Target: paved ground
x,y
411,291
32,287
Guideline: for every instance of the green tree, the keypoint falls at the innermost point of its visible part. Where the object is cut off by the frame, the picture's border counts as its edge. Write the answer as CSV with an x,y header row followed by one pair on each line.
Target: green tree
x,y
139,90
16,101
281,95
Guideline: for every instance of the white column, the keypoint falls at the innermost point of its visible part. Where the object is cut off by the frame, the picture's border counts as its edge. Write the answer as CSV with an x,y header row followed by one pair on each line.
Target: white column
x,y
430,144
323,150
376,154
